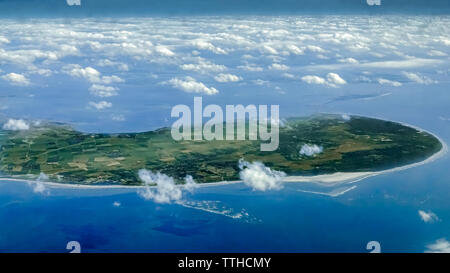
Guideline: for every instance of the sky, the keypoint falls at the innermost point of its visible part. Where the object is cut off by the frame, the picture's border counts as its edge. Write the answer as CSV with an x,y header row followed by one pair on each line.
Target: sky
x,y
34,8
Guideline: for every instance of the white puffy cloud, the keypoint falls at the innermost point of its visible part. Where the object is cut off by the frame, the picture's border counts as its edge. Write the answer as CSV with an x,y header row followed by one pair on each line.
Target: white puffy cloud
x,y
118,117
103,91
315,49
310,149
440,246
436,53
90,74
402,64
190,85
251,67
227,78
38,185
428,217
203,66
312,79
389,82
189,183
165,51
116,204
100,105
16,125
259,177
332,80
346,117
204,45
16,79
109,63
4,40
166,191
42,72
348,61
261,82
416,77
73,2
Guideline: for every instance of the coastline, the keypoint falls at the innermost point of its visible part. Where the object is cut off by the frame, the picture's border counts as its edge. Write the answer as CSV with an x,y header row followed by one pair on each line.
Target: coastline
x,y
325,179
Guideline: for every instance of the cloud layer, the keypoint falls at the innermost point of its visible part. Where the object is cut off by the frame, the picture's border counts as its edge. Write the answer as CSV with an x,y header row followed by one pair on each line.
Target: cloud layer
x,y
259,177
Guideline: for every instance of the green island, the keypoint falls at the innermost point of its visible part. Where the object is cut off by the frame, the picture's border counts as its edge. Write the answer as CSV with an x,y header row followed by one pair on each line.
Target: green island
x,y
358,144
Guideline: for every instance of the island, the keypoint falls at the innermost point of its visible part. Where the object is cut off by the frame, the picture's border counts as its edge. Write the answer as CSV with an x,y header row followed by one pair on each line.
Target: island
x,y
318,144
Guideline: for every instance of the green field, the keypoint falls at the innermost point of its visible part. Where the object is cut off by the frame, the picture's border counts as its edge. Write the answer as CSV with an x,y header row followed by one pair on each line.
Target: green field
x,y
69,156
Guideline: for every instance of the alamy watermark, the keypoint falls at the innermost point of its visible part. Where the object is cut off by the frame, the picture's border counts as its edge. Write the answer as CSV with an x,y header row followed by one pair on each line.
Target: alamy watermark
x,y
237,119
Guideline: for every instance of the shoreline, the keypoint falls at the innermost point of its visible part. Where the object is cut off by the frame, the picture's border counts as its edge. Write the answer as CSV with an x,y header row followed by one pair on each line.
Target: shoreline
x,y
324,179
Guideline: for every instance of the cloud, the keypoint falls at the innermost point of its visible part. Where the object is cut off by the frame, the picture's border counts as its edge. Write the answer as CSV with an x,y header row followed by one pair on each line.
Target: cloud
x,y
166,191
310,149
295,50
436,53
332,80
259,177
388,64
90,74
227,78
16,125
203,67
165,51
16,79
389,82
4,40
118,117
189,184
440,246
269,49
315,49
251,67
42,72
103,91
190,85
110,79
116,204
73,2
428,217
348,61
100,105
416,77
311,79
409,63
346,117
